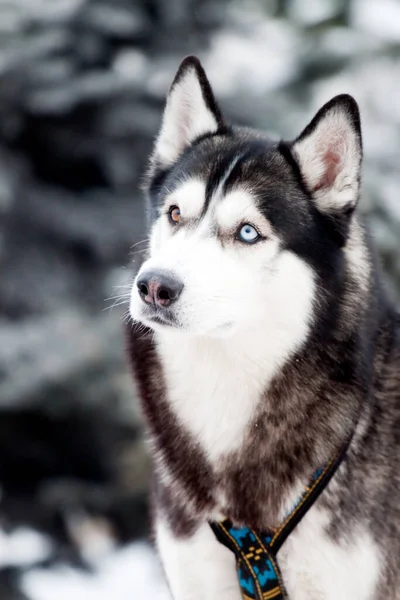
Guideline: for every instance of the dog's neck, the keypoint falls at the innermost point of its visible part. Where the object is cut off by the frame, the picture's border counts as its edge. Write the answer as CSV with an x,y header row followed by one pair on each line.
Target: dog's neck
x,y
215,385
239,430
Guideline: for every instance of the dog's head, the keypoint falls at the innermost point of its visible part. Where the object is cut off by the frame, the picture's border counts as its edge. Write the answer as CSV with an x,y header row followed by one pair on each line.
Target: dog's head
x,y
245,231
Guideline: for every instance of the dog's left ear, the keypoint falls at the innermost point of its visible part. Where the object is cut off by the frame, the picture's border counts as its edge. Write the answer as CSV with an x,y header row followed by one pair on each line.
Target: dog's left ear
x,y
190,112
329,154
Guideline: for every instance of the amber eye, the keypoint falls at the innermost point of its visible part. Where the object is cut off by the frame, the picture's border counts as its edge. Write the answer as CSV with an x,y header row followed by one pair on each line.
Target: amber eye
x,y
174,215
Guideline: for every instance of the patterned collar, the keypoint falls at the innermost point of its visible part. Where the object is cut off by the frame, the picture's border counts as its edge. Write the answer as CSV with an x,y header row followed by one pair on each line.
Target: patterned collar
x,y
258,571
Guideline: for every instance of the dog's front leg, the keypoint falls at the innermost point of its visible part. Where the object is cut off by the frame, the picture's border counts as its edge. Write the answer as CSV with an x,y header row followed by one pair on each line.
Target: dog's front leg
x,y
197,566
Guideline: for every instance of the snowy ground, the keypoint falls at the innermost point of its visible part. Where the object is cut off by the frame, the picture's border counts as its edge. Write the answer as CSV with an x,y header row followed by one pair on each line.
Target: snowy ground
x,y
123,574
132,572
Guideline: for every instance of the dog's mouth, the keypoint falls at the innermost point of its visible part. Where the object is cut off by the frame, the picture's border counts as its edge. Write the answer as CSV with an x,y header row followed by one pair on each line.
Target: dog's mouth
x,y
166,319
159,319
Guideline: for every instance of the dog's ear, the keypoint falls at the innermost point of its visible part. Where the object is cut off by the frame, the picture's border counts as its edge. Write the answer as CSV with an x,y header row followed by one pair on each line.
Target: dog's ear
x,y
190,112
329,154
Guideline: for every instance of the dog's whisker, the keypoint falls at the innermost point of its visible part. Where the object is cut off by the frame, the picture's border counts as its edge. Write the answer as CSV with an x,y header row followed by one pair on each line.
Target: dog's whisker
x,y
146,240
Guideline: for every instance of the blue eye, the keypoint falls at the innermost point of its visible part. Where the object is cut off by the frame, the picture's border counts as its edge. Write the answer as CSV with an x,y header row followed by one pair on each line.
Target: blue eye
x,y
248,234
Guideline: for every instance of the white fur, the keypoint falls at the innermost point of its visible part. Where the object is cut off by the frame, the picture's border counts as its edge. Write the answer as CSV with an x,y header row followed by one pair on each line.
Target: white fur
x,y
243,312
333,139
230,285
314,567
239,207
197,568
357,256
189,196
186,117
238,367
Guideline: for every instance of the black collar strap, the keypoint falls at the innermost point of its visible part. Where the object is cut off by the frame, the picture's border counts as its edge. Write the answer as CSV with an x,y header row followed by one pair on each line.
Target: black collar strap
x,y
258,571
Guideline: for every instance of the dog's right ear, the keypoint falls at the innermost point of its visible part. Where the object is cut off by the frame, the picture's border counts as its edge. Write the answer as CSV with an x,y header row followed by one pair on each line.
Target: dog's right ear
x,y
190,112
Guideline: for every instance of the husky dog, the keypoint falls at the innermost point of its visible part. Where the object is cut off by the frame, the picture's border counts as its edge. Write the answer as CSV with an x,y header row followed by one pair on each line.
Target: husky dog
x,y
262,339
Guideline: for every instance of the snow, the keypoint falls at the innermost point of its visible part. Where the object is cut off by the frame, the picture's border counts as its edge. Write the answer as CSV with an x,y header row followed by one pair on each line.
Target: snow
x,y
377,18
23,547
310,12
127,574
252,52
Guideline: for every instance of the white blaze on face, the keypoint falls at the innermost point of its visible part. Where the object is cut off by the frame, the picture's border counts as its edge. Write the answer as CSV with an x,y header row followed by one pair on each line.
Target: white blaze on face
x,y
227,284
239,207
189,197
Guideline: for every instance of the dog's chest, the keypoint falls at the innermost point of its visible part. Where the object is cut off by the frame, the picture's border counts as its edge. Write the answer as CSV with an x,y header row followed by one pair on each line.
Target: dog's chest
x,y
212,394
317,567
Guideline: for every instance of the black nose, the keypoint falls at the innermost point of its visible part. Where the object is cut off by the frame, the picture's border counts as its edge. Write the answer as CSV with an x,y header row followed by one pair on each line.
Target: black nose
x,y
159,288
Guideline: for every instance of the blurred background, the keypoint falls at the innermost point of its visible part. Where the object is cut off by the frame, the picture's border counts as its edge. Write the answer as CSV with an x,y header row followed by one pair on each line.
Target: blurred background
x,y
82,86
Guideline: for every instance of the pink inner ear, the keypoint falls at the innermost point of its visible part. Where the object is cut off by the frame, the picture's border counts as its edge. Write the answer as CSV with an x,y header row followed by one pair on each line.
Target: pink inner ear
x,y
331,162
